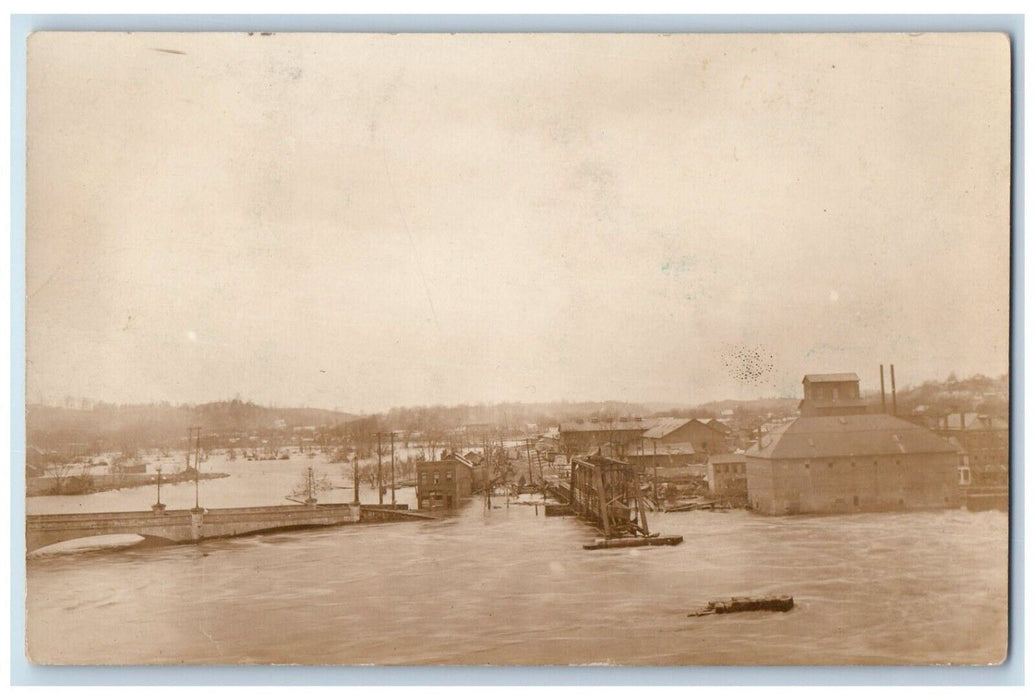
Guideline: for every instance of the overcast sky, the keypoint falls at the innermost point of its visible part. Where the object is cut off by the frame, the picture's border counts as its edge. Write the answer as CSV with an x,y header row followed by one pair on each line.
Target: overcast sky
x,y
363,222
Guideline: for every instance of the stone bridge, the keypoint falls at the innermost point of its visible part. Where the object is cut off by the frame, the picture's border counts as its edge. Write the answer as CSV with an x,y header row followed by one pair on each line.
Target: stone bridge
x,y
186,525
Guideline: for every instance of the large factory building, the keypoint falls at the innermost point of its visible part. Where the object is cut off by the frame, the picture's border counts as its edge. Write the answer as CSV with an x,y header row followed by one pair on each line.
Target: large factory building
x,y
826,462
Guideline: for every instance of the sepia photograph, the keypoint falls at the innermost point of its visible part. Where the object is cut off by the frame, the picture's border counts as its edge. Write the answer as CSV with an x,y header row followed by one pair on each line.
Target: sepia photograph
x,y
504,349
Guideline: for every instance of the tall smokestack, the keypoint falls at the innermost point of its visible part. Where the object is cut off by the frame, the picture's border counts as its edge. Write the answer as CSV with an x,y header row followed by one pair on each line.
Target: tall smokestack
x,y
883,399
894,402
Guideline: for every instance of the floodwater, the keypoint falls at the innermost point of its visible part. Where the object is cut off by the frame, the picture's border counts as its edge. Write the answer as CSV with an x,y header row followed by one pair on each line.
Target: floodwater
x,y
509,586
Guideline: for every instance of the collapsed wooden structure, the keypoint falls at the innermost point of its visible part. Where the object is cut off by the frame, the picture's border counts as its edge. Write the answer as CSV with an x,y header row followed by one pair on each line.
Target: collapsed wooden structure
x,y
606,493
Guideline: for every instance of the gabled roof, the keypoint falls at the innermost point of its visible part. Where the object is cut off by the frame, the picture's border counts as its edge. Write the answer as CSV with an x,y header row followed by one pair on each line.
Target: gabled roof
x,y
450,458
845,436
717,424
602,426
664,426
837,377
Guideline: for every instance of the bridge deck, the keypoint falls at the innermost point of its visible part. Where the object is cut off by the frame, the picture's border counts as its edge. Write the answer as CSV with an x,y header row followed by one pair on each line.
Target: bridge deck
x,y
183,525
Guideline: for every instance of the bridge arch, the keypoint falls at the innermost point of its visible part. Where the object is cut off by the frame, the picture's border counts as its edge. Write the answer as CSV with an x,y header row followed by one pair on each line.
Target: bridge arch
x,y
46,530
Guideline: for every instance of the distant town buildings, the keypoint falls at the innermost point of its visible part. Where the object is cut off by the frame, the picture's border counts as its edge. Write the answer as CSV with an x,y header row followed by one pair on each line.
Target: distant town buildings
x,y
682,440
984,446
582,437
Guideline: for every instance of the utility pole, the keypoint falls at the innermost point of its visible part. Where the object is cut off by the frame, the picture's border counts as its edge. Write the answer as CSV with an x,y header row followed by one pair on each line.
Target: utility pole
x,y
656,472
528,451
894,399
309,500
194,440
487,467
392,437
380,492
883,401
355,479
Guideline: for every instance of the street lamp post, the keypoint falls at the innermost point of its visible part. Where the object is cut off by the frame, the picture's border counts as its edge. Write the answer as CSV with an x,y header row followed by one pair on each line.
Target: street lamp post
x,y
159,507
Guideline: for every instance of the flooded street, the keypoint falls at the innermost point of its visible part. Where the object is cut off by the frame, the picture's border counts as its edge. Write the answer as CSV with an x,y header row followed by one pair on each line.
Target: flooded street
x,y
510,586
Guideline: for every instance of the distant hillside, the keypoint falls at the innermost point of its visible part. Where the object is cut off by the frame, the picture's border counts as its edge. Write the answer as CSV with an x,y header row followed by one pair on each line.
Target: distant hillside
x,y
52,427
511,415
108,426
988,395
775,406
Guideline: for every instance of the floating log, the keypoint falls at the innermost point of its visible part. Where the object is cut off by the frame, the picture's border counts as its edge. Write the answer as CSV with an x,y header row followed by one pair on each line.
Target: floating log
x,y
621,542
781,603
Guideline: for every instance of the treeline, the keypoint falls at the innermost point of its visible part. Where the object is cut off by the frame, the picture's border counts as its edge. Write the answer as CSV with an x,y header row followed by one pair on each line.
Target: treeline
x,y
127,427
508,416
98,426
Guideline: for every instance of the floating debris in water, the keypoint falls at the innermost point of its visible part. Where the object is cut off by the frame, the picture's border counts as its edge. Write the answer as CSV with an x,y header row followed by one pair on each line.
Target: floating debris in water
x,y
781,603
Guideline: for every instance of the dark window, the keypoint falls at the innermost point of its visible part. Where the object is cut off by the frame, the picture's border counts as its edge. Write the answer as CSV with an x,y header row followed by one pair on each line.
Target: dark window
x,y
449,475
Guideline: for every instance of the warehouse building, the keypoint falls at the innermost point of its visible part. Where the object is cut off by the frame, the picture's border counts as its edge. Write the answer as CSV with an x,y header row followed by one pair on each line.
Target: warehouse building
x,y
823,463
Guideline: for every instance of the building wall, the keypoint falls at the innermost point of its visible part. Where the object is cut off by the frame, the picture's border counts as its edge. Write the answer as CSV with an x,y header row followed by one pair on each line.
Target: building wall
x,y
850,484
831,391
703,439
728,479
442,484
648,461
580,442
984,448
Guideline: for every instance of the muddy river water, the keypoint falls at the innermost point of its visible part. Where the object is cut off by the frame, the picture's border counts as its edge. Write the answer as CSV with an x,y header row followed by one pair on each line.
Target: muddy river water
x,y
509,586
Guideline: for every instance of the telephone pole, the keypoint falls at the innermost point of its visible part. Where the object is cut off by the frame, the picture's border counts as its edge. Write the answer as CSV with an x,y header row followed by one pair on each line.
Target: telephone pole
x,y
355,479
380,492
392,437
194,442
487,470
656,473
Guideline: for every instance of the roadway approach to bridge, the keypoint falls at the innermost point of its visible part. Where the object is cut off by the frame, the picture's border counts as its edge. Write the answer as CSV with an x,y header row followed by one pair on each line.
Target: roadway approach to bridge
x,y
194,525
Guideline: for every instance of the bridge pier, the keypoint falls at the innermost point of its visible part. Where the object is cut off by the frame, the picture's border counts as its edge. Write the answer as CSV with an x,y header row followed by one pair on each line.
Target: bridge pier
x,y
197,521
